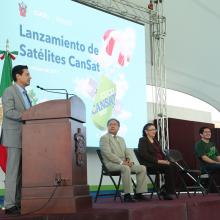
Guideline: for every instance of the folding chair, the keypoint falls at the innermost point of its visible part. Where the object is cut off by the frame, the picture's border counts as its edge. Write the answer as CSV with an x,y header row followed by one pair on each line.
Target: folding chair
x,y
208,180
176,157
156,181
212,180
111,174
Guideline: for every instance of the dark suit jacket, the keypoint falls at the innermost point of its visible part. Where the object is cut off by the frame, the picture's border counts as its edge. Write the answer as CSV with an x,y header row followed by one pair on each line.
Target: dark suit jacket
x,y
147,152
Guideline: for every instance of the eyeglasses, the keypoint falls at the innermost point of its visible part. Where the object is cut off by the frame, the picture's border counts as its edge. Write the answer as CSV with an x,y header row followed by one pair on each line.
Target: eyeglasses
x,y
152,130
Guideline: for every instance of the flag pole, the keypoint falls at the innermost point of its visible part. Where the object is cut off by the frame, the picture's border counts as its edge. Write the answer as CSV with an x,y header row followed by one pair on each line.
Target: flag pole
x,y
7,45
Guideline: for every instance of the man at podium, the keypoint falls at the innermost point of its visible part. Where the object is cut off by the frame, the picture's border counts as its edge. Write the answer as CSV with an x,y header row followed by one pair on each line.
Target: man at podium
x,y
14,101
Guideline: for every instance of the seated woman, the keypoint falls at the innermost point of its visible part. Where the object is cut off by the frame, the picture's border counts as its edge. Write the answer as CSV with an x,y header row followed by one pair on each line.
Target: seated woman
x,y
152,156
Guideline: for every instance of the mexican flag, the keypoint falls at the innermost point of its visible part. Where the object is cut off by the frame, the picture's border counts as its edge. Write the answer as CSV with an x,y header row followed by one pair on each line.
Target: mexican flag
x,y
6,81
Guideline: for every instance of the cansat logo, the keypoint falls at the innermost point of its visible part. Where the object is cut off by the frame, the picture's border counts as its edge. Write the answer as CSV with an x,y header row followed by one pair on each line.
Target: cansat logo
x,y
22,9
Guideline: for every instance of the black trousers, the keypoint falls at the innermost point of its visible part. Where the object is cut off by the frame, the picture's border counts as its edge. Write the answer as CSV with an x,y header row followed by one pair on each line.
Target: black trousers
x,y
169,172
212,167
214,172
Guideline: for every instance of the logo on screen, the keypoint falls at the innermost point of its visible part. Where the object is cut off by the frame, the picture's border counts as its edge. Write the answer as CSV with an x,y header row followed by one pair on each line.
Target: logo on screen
x,y
22,9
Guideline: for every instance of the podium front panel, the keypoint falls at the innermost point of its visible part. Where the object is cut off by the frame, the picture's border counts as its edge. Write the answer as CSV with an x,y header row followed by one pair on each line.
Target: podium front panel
x,y
54,158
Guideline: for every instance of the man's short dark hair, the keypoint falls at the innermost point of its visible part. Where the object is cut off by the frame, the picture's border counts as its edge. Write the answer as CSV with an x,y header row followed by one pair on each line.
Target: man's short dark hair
x,y
201,130
113,119
18,70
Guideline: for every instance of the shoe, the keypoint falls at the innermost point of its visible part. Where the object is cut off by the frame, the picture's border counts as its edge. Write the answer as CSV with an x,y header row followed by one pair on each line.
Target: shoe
x,y
166,196
128,198
18,206
140,197
12,211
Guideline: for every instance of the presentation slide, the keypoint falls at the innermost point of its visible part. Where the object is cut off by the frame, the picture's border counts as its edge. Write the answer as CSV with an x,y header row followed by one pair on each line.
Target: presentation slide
x,y
95,55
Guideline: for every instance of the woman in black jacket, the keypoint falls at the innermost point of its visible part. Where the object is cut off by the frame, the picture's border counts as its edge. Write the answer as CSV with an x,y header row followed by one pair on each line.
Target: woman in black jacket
x,y
152,156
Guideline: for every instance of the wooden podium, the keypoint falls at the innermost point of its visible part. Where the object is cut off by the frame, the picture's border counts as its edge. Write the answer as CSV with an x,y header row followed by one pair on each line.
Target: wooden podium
x,y
54,167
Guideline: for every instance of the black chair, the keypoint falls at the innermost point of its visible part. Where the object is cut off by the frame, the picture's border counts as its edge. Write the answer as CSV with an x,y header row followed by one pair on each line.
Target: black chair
x,y
111,174
186,174
209,181
156,182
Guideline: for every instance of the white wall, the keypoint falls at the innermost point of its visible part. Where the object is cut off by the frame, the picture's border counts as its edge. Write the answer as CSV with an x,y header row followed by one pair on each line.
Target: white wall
x,y
182,113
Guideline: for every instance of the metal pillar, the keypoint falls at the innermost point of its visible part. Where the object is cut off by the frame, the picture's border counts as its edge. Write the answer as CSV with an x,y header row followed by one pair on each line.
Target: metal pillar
x,y
122,8
158,73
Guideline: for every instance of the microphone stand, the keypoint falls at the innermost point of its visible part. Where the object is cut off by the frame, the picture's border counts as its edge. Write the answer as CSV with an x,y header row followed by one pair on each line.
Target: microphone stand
x,y
56,91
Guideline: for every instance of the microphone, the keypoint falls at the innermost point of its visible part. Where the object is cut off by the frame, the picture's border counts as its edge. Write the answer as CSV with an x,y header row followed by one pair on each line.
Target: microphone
x,y
40,87
56,91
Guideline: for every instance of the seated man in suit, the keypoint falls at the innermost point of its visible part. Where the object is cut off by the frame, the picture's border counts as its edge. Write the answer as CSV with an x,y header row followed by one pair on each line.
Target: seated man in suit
x,y
117,158
152,156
